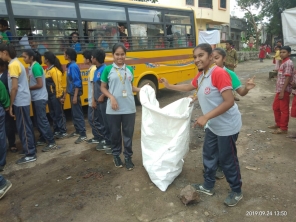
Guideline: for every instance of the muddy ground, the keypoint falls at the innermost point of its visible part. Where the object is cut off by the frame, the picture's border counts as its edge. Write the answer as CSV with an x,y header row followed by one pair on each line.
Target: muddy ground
x,y
42,192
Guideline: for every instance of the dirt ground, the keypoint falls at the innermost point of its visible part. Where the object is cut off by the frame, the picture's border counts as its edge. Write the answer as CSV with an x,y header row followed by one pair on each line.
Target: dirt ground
x,y
54,188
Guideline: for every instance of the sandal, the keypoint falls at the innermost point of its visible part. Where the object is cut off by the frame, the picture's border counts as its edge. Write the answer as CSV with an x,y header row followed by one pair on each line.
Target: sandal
x,y
280,131
13,149
273,127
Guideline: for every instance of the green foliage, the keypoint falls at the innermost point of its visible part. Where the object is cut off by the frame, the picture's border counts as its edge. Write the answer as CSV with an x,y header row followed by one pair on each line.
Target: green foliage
x,y
271,9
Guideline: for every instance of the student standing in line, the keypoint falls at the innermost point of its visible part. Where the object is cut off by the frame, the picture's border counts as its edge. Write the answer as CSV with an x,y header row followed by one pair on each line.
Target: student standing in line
x,y
283,90
214,91
93,112
39,98
121,108
5,185
20,100
56,95
9,121
98,59
4,105
75,90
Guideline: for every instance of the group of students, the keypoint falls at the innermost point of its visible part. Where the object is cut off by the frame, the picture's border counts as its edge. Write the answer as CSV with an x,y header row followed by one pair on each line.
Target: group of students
x,y
111,113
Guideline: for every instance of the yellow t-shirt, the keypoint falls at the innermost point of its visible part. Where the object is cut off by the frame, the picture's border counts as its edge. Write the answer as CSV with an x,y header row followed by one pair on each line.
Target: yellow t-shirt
x,y
277,55
54,76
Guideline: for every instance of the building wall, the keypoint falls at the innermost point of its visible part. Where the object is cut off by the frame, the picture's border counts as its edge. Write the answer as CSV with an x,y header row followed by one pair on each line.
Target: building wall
x,y
214,15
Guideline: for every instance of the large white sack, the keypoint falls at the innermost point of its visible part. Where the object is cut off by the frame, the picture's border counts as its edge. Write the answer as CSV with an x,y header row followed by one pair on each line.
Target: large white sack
x,y
165,136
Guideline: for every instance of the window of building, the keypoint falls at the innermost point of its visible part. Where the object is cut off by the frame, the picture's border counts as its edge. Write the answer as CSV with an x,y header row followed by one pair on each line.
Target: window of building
x,y
105,12
44,8
205,3
144,15
190,2
222,4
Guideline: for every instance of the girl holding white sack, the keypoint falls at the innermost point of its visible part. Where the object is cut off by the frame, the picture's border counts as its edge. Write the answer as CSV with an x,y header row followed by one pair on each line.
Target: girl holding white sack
x,y
214,91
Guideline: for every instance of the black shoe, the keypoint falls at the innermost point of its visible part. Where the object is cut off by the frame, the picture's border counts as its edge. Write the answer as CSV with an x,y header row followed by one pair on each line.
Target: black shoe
x,y
26,159
1,168
49,147
80,139
93,141
74,134
55,134
40,143
61,135
117,161
103,145
129,164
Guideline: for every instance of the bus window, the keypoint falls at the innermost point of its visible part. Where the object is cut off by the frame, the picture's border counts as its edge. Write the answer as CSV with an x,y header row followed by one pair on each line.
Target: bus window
x,y
104,12
144,15
177,18
180,36
44,8
44,35
103,34
3,10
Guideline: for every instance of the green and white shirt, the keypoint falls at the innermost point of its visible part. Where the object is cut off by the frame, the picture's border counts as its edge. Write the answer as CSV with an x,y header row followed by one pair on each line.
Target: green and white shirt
x,y
120,80
36,71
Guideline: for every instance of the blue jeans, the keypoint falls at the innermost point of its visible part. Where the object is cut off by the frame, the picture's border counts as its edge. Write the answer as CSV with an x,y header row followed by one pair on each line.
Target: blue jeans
x,y
2,181
39,109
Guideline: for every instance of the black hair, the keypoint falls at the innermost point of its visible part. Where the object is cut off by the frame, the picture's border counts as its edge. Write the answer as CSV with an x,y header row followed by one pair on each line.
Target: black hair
x,y
87,54
287,48
221,52
10,50
118,45
3,63
278,47
230,42
205,47
74,33
71,53
35,54
99,55
53,60
279,41
4,23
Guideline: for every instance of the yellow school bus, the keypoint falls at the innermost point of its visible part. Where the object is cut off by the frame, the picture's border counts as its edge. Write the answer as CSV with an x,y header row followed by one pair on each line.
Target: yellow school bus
x,y
160,39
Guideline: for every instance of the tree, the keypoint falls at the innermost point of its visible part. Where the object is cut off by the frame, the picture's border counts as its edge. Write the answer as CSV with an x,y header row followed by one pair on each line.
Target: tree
x,y
270,9
152,1
253,22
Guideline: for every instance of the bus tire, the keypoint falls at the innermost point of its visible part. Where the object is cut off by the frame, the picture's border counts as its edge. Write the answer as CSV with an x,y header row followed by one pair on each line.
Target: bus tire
x,y
142,83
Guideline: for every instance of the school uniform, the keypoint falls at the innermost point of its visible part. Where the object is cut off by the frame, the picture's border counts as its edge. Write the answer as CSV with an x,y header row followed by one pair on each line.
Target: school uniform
x,y
281,106
9,120
53,79
119,81
94,113
221,131
76,46
101,106
21,106
74,81
4,103
39,100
